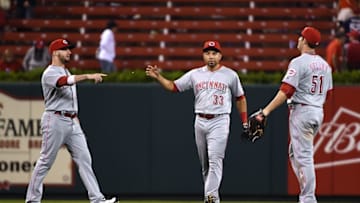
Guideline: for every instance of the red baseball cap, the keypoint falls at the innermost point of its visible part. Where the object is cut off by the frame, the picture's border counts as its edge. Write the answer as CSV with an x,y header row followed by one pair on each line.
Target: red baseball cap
x,y
60,44
312,35
212,45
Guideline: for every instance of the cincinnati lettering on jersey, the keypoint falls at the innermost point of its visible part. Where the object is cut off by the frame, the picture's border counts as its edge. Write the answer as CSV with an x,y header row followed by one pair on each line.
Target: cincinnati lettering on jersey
x,y
205,85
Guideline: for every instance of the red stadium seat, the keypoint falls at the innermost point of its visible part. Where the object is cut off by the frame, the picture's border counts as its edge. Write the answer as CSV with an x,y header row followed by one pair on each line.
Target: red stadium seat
x,y
185,64
255,34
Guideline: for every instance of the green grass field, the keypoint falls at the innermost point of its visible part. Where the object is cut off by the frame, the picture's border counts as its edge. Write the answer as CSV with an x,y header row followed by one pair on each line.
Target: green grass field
x,y
133,201
160,201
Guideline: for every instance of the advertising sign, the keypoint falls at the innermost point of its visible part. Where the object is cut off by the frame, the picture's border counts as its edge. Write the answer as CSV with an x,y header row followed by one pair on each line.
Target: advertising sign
x,y
20,144
337,147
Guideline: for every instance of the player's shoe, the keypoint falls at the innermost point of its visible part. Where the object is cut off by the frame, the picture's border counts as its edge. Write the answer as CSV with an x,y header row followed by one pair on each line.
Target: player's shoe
x,y
210,199
112,200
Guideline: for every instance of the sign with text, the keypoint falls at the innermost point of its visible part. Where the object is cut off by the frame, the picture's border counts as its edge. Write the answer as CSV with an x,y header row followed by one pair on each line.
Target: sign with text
x,y
20,144
337,147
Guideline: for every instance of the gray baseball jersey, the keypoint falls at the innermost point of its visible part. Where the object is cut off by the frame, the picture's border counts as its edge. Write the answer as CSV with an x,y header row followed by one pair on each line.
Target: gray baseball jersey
x,y
58,99
60,128
312,78
213,90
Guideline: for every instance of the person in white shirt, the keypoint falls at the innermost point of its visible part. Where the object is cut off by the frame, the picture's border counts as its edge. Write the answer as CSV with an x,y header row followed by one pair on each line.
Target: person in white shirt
x,y
107,49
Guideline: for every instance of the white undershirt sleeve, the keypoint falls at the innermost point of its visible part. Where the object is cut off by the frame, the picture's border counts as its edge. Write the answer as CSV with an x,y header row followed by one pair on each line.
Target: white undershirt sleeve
x,y
71,79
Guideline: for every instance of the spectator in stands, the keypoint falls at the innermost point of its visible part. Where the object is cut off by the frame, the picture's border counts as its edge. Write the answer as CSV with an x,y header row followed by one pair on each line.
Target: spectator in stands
x,y
37,56
2,20
352,51
8,63
346,10
334,52
107,48
5,4
4,8
24,8
352,23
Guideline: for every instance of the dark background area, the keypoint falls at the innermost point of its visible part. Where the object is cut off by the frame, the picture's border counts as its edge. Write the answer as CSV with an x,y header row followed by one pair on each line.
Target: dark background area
x,y
142,142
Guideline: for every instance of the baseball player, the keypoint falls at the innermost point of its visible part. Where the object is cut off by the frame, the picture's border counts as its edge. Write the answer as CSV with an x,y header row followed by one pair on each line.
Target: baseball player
x,y
60,124
307,83
213,85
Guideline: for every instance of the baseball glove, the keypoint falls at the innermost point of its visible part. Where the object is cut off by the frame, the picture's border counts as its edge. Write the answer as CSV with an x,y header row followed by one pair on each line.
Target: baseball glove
x,y
257,123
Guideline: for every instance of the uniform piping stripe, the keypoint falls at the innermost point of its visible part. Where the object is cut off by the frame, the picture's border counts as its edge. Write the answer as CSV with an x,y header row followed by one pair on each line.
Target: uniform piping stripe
x,y
45,146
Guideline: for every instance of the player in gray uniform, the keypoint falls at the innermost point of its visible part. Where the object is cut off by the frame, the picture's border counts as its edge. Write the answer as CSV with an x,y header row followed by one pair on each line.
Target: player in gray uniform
x,y
307,83
214,86
60,125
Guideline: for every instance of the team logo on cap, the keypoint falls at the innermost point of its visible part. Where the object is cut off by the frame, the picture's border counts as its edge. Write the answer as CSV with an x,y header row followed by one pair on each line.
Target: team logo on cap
x,y
212,44
65,42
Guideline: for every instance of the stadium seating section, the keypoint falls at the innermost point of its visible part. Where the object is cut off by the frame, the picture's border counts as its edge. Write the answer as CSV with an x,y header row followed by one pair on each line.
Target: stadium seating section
x,y
255,34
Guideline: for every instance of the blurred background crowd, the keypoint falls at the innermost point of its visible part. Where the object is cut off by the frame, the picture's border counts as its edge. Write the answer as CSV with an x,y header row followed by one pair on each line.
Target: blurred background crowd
x,y
253,40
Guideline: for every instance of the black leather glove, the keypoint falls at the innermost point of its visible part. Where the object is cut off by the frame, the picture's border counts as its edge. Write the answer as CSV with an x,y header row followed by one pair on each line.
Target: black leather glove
x,y
257,124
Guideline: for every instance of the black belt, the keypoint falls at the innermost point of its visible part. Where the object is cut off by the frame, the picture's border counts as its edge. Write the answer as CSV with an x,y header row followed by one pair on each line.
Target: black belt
x,y
66,114
296,103
292,104
208,116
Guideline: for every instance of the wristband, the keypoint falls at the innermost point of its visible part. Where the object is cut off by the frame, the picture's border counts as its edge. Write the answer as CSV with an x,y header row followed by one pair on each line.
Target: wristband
x,y
244,117
71,80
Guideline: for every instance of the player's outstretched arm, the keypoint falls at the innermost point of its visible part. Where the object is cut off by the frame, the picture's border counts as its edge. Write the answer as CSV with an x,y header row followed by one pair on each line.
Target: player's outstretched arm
x,y
97,77
277,101
154,72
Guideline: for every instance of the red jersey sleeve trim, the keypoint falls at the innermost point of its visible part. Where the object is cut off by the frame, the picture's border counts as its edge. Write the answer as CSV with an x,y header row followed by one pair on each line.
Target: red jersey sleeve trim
x,y
175,88
61,81
287,89
240,98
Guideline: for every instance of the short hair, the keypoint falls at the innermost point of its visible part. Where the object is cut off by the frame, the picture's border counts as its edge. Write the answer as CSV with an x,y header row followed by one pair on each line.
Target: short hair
x,y
110,24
